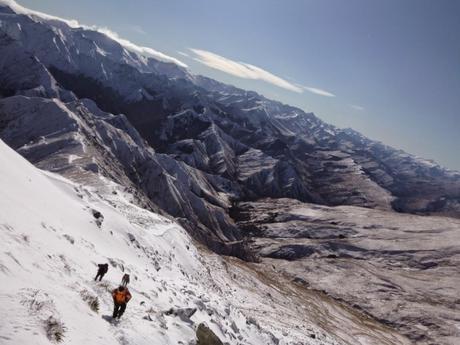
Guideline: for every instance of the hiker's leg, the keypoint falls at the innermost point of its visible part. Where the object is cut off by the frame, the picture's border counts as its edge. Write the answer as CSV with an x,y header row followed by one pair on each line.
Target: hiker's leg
x,y
122,310
116,307
101,276
97,275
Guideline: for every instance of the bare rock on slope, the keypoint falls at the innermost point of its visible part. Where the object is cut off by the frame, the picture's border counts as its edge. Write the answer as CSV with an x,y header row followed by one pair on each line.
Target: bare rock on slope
x,y
206,336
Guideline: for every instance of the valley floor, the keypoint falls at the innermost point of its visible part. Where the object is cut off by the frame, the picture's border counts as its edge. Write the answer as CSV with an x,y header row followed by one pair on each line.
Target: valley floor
x,y
401,269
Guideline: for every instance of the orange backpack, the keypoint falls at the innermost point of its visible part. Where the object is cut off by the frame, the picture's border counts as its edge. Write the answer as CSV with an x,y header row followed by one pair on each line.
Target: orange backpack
x,y
120,297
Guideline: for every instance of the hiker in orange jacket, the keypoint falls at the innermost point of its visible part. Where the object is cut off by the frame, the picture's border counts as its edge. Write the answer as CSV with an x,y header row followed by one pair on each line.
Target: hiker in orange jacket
x,y
121,296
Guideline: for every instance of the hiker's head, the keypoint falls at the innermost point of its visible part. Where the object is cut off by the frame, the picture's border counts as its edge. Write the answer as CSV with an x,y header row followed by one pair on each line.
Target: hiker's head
x,y
121,288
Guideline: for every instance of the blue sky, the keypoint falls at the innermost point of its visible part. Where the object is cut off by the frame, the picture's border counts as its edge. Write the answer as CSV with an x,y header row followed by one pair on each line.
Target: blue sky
x,y
389,69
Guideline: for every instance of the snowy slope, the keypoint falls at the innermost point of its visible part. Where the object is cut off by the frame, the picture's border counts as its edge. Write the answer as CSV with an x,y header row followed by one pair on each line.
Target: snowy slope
x,y
52,244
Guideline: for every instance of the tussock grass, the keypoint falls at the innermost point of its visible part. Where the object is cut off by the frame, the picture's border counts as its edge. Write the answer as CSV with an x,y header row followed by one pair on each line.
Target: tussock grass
x,y
91,300
55,329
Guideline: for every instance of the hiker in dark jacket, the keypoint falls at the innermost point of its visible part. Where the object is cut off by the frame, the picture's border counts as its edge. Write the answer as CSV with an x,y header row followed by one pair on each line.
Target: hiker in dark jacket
x,y
101,271
125,280
121,297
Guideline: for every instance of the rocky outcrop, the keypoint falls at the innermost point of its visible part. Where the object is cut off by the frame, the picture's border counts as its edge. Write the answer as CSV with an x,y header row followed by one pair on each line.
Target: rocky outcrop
x,y
206,336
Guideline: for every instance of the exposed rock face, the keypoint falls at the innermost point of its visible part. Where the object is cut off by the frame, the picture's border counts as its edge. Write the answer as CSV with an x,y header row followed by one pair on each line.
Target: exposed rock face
x,y
182,313
206,337
404,270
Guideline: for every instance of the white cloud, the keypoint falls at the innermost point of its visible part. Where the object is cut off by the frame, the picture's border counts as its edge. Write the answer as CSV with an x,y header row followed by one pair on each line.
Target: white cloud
x,y
113,35
241,69
137,29
248,71
139,49
183,54
356,107
318,91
